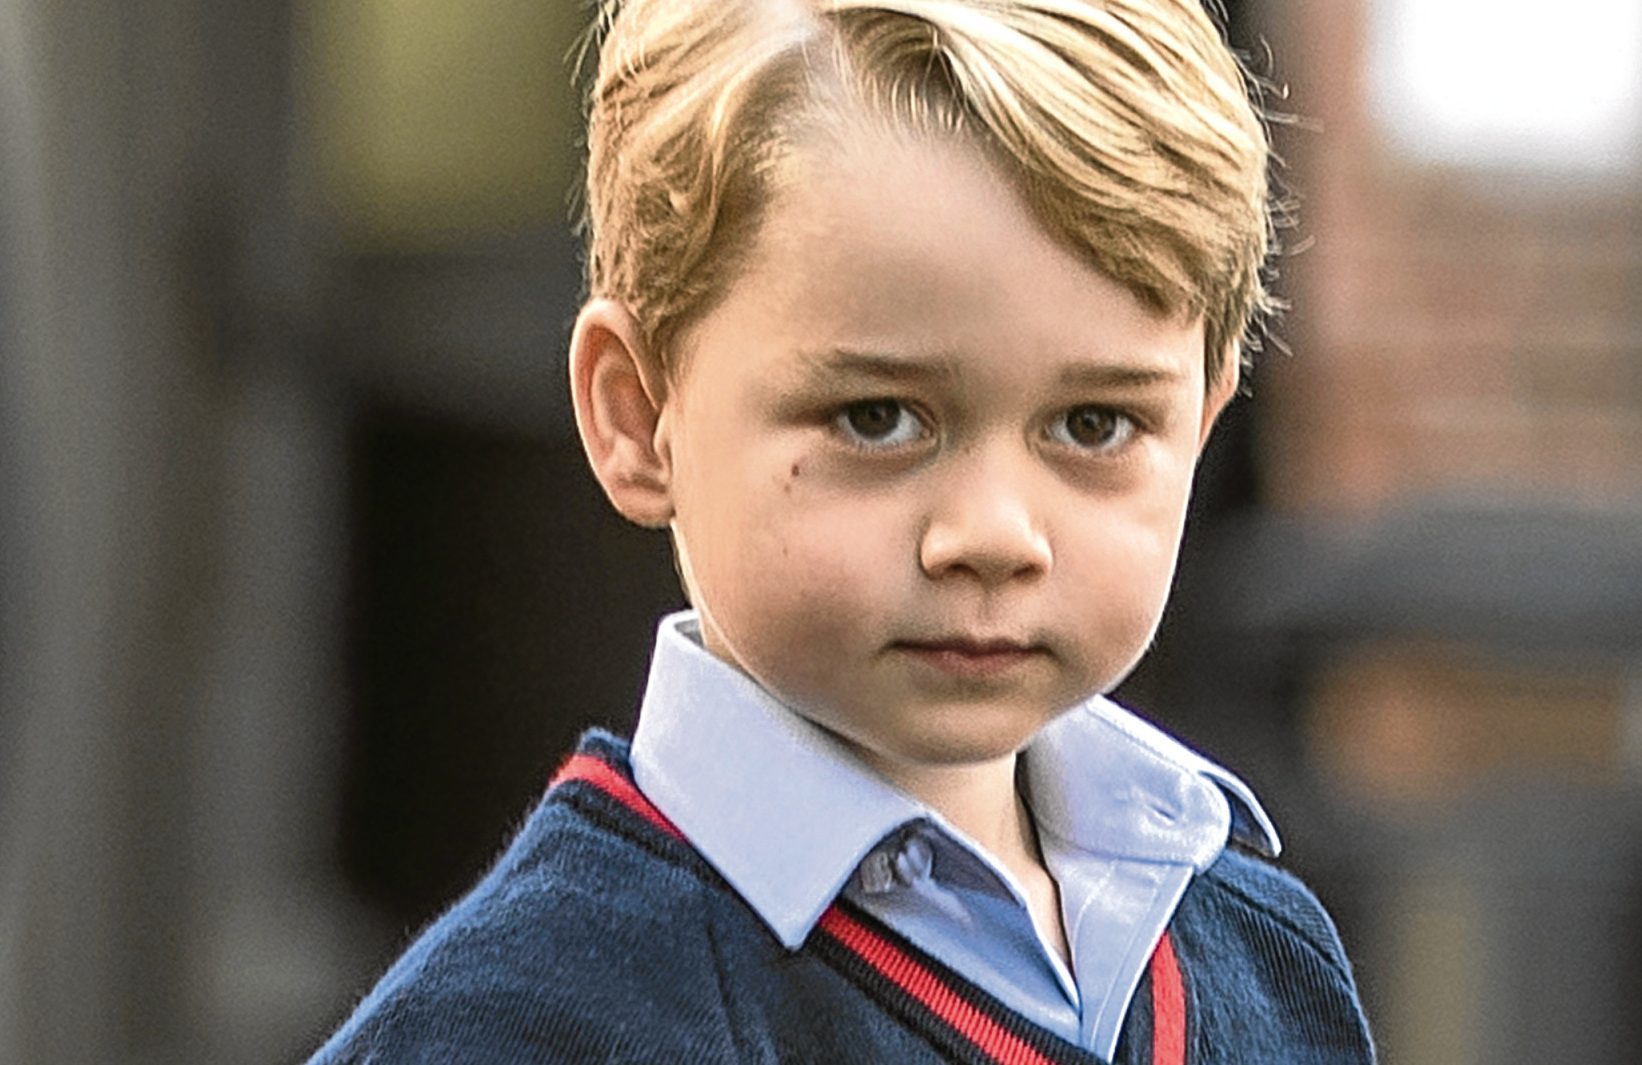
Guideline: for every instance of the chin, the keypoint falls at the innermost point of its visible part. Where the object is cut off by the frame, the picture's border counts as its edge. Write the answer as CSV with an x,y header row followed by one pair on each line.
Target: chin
x,y
971,739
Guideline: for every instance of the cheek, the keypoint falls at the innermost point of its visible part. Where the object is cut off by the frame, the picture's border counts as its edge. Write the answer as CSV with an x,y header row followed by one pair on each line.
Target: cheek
x,y
799,607
799,563
1119,575
830,561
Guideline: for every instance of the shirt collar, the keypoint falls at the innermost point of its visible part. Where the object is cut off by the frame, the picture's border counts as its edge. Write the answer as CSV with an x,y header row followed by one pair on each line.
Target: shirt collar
x,y
1107,782
790,820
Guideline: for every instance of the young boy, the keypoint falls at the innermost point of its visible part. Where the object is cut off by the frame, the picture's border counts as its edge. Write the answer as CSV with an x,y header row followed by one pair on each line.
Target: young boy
x,y
909,320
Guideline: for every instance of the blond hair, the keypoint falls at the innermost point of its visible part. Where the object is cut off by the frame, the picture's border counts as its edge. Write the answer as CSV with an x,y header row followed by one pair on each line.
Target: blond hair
x,y
1127,125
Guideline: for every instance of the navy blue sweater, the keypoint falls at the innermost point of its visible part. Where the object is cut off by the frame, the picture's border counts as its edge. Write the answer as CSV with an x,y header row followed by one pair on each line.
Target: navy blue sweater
x,y
601,936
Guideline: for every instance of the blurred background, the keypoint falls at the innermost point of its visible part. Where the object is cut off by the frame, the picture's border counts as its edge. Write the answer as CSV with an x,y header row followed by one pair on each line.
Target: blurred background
x,y
304,589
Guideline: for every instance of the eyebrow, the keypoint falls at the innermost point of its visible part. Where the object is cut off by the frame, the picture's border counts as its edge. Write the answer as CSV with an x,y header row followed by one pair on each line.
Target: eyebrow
x,y
1117,375
881,366
877,365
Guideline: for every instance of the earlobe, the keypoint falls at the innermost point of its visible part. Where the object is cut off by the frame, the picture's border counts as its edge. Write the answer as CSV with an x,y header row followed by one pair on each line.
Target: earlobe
x,y
618,394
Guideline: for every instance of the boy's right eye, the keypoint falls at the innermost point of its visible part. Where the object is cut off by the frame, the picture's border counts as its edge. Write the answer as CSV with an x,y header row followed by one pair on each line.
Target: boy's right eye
x,y
879,423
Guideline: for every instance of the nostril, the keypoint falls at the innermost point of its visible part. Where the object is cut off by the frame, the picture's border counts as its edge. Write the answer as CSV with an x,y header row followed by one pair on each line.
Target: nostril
x,y
991,554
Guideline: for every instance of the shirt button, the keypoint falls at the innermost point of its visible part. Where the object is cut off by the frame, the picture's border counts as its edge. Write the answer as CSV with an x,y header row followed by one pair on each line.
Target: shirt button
x,y
914,861
878,872
895,864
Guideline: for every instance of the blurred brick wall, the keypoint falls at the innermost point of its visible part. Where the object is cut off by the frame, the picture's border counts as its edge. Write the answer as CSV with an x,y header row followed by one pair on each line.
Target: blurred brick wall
x,y
1458,332
1461,337
1464,338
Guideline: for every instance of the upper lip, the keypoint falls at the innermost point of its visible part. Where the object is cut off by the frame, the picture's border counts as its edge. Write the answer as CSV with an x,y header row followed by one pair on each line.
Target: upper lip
x,y
973,645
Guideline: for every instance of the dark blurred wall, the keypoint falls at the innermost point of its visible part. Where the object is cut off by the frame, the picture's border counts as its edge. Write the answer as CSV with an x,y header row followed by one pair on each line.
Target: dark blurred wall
x,y
305,587
170,526
498,607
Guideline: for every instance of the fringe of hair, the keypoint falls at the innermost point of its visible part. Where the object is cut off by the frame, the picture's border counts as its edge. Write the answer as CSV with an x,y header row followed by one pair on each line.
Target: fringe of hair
x,y
1128,125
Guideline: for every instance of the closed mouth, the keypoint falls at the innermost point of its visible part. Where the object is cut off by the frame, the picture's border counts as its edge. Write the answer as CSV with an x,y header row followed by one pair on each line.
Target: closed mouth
x,y
969,646
970,656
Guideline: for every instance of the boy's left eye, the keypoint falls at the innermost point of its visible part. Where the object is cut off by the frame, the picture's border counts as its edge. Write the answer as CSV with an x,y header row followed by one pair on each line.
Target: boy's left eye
x,y
1092,428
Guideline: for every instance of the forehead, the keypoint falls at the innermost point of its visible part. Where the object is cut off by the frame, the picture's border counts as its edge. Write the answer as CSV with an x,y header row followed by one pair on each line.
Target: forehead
x,y
921,246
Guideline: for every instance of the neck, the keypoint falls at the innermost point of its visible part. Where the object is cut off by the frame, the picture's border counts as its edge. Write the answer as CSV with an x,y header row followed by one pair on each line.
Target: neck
x,y
979,799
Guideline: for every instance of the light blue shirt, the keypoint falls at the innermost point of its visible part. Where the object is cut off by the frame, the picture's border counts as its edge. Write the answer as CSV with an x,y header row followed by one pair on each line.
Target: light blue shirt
x,y
1125,816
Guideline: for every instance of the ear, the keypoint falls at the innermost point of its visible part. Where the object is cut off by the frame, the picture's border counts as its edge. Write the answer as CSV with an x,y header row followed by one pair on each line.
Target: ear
x,y
1220,392
617,390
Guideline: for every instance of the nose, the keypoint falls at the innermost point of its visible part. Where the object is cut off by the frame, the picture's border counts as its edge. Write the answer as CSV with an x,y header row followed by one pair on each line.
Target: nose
x,y
983,526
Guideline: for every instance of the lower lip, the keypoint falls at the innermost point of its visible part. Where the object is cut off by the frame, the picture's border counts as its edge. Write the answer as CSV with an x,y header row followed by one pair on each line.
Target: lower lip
x,y
973,665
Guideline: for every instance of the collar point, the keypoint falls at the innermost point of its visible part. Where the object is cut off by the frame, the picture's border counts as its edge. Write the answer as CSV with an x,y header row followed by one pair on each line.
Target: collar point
x,y
792,933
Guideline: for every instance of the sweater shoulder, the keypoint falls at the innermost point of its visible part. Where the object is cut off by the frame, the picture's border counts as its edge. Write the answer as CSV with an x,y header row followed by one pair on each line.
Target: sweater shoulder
x,y
581,943
1280,896
1266,970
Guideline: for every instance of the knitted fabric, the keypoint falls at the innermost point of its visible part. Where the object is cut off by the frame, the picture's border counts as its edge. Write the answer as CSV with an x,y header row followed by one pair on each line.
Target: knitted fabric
x,y
601,936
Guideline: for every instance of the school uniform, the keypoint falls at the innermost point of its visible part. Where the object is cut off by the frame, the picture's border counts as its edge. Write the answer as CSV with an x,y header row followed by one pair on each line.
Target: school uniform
x,y
735,887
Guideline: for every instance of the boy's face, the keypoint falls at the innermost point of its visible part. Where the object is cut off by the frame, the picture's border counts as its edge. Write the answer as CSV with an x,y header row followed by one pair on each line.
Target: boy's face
x,y
927,470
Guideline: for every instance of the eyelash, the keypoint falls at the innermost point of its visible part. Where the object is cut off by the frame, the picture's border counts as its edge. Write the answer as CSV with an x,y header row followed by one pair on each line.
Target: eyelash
x,y
851,434
1125,426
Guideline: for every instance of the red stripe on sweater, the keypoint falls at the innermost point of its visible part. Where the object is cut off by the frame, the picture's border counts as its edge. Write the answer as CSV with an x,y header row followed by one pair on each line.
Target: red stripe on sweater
x,y
593,770
1002,1045
905,972
1168,1006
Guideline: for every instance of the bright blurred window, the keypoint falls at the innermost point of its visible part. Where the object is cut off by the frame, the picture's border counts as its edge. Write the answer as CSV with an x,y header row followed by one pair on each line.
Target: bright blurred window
x,y
1512,84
